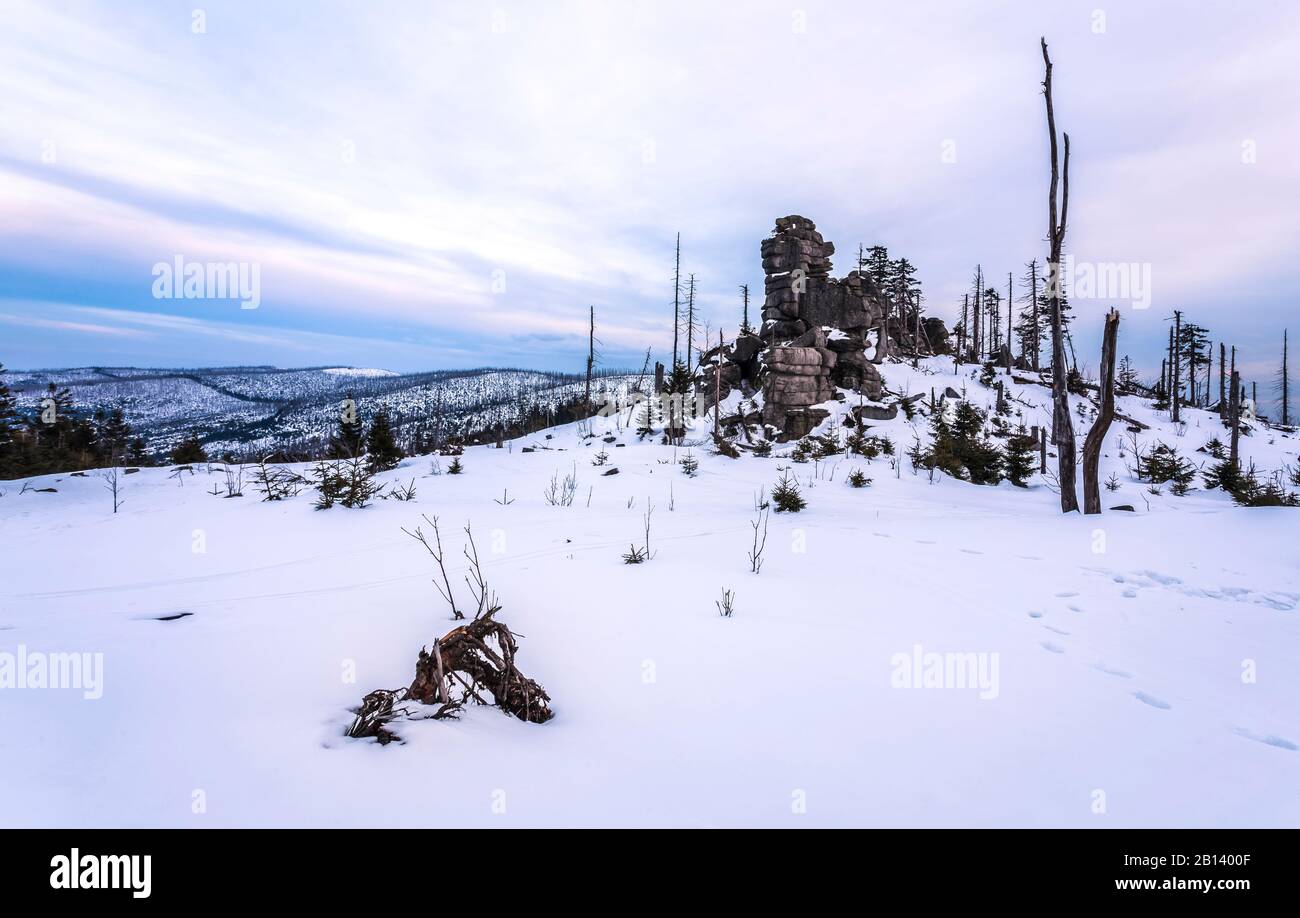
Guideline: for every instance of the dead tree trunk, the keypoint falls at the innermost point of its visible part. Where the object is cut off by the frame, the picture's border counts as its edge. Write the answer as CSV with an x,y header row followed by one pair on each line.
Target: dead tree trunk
x,y
591,357
1063,425
1234,417
690,320
717,393
677,297
1033,297
915,312
1223,360
1010,333
964,336
1097,433
1284,384
1175,360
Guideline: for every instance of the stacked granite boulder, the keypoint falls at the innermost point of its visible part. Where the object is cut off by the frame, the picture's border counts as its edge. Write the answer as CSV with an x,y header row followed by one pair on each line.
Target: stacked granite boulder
x,y
814,337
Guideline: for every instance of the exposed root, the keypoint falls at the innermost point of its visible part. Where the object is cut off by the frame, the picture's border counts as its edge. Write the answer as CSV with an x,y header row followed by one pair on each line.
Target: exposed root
x,y
479,656
474,662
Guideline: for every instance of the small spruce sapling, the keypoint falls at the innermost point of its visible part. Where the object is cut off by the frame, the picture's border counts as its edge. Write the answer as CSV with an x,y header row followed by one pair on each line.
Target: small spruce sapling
x,y
786,496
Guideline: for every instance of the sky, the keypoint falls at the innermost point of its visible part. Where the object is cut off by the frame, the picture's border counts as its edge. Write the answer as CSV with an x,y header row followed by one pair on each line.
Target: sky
x,y
454,184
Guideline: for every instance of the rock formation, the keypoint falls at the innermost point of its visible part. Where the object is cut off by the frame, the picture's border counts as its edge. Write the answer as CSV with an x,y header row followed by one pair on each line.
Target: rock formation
x,y
818,335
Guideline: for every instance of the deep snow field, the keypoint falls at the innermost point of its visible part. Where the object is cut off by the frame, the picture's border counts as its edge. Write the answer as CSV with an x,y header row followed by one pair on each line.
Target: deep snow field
x,y
1147,663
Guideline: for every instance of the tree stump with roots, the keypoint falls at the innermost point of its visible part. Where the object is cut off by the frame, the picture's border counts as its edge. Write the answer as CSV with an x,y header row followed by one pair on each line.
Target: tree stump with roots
x,y
469,662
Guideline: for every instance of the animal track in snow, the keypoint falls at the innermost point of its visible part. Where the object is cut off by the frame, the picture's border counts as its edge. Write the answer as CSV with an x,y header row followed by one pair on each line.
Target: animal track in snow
x,y
1056,630
1054,648
1035,614
1278,600
1151,700
1269,740
1112,671
1066,595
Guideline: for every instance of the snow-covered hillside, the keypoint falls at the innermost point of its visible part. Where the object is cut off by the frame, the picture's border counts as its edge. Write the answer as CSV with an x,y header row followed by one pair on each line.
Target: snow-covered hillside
x,y
1131,669
252,411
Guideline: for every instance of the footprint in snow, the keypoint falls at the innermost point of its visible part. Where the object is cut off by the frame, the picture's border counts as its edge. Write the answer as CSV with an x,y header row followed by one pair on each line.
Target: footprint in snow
x,y
1065,595
971,551
1163,579
1151,700
1035,614
1111,671
1130,593
1075,608
1269,740
1031,557
1281,605
924,541
1056,630
882,535
1053,648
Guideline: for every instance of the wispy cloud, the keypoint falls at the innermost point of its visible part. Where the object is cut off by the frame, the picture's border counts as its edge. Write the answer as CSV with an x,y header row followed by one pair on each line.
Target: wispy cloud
x,y
84,328
425,181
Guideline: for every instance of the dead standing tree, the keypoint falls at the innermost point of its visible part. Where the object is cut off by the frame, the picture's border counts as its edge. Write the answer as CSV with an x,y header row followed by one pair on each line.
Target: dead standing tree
x,y
591,358
1062,425
1097,433
1234,416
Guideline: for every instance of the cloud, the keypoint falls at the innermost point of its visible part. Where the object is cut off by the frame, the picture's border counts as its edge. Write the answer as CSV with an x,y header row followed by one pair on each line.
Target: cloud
x,y
475,177
80,327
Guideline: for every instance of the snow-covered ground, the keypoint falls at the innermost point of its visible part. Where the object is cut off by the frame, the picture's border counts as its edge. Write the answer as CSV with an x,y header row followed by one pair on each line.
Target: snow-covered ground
x,y
1137,668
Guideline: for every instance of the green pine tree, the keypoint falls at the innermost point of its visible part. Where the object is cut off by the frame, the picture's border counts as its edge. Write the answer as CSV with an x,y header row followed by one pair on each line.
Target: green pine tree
x,y
877,266
381,446
114,435
189,452
349,440
1020,458
8,416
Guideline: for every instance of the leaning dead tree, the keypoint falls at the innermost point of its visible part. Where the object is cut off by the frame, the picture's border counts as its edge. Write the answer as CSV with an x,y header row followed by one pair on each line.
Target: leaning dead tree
x,y
1062,425
1097,433
473,663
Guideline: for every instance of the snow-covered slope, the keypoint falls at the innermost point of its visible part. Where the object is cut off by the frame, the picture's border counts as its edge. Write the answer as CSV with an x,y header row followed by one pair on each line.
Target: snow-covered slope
x,y
1137,668
253,411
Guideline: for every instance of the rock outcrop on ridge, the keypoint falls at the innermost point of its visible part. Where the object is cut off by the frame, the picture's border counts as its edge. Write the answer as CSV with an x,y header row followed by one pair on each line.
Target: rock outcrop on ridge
x,y
819,335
